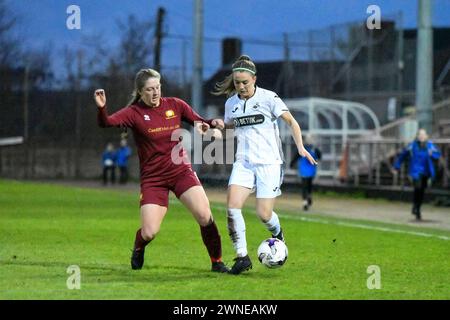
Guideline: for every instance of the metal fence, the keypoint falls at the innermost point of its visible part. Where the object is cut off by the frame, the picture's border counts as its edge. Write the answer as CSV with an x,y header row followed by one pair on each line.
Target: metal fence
x,y
371,163
43,162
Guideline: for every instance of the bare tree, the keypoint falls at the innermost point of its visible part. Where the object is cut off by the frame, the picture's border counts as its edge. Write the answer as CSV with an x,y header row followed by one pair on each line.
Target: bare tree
x,y
9,46
135,50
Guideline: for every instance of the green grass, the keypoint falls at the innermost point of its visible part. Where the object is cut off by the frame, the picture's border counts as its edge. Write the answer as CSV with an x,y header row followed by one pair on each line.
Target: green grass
x,y
46,228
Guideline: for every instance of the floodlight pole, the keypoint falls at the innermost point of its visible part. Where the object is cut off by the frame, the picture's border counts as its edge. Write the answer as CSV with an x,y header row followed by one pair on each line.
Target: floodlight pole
x,y
197,74
424,68
183,68
78,103
25,101
400,65
158,39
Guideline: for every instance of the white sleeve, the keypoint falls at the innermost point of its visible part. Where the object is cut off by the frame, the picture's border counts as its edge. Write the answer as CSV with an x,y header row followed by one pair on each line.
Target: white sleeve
x,y
278,106
227,118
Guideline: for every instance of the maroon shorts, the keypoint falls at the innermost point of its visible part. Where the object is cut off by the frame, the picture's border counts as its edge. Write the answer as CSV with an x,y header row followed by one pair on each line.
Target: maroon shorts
x,y
158,192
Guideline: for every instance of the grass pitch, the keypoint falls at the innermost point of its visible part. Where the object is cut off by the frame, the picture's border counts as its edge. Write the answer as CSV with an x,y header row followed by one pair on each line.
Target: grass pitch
x,y
44,229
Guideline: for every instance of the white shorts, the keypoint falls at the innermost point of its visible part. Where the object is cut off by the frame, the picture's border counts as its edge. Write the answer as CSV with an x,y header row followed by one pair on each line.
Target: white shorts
x,y
265,178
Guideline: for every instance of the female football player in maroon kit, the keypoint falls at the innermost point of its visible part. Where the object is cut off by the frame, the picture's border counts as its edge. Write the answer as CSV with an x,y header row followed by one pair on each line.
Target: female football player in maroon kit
x,y
153,119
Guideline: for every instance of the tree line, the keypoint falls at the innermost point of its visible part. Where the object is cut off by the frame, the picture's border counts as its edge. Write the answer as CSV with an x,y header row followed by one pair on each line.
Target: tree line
x,y
54,107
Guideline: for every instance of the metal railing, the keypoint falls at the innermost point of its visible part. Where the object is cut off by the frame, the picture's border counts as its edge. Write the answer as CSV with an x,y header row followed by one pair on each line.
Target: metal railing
x,y
373,161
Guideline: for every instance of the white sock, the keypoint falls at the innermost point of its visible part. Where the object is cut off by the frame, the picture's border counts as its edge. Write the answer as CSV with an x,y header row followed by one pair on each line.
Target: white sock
x,y
273,225
236,230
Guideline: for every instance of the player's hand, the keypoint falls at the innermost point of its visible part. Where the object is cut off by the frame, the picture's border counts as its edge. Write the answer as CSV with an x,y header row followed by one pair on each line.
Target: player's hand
x,y
216,133
305,153
100,98
218,124
201,127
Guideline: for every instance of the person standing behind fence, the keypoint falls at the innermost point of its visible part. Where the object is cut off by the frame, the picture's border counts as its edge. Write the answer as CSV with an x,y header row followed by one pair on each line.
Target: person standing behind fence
x,y
122,155
109,164
307,171
420,153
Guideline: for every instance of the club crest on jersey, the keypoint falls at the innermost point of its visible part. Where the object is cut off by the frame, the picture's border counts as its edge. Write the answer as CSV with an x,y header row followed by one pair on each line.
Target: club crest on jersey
x,y
146,117
256,106
170,114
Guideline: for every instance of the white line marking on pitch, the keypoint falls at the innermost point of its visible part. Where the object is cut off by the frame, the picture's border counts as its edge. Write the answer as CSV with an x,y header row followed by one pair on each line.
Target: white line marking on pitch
x,y
365,226
356,225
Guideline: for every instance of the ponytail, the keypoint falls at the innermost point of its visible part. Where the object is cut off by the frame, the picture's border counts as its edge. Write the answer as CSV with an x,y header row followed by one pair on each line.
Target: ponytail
x,y
135,97
226,86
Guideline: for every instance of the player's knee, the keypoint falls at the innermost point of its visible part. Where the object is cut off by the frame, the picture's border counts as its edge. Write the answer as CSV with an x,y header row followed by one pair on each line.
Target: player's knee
x,y
149,233
204,218
264,214
234,203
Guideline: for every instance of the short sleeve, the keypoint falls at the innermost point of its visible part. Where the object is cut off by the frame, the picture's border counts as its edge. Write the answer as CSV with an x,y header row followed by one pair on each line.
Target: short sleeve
x,y
227,118
278,106
188,114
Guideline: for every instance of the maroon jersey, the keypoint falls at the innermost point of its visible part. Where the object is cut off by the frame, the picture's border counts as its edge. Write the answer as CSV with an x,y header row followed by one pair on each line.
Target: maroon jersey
x,y
152,130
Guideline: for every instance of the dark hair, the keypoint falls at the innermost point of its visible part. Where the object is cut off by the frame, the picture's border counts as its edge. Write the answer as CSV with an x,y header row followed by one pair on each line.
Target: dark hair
x,y
226,86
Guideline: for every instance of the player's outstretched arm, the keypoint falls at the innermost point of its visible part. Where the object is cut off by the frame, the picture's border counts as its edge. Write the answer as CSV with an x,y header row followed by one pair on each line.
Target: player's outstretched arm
x,y
297,135
121,118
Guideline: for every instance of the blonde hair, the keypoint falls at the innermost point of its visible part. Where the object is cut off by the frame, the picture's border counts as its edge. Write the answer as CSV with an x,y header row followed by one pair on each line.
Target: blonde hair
x,y
139,82
226,86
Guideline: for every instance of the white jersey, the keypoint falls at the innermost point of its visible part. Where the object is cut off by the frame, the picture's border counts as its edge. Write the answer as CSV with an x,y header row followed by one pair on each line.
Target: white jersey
x,y
256,127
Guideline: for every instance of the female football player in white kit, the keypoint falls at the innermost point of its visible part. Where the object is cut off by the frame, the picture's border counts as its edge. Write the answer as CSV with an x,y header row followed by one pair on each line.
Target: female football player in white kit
x,y
253,112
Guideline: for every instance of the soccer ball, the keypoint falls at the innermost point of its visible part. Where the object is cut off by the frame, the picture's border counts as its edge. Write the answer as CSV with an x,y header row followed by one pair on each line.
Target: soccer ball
x,y
272,253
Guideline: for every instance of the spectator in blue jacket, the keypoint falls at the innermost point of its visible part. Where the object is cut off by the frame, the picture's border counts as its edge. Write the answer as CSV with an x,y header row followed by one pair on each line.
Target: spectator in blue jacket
x,y
420,153
122,155
307,171
109,164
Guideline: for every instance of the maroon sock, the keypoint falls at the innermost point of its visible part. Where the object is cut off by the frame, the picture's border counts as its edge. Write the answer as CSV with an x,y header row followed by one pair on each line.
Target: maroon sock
x,y
139,242
211,239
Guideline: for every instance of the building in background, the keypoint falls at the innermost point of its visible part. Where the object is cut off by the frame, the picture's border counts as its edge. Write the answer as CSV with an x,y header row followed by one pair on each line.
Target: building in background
x,y
346,62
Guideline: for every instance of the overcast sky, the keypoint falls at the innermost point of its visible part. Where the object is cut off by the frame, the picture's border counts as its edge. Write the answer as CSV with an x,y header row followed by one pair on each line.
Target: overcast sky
x,y
43,22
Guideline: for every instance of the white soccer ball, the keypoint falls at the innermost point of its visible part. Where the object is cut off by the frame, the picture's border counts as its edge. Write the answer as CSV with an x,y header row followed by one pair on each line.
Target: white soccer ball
x,y
272,253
